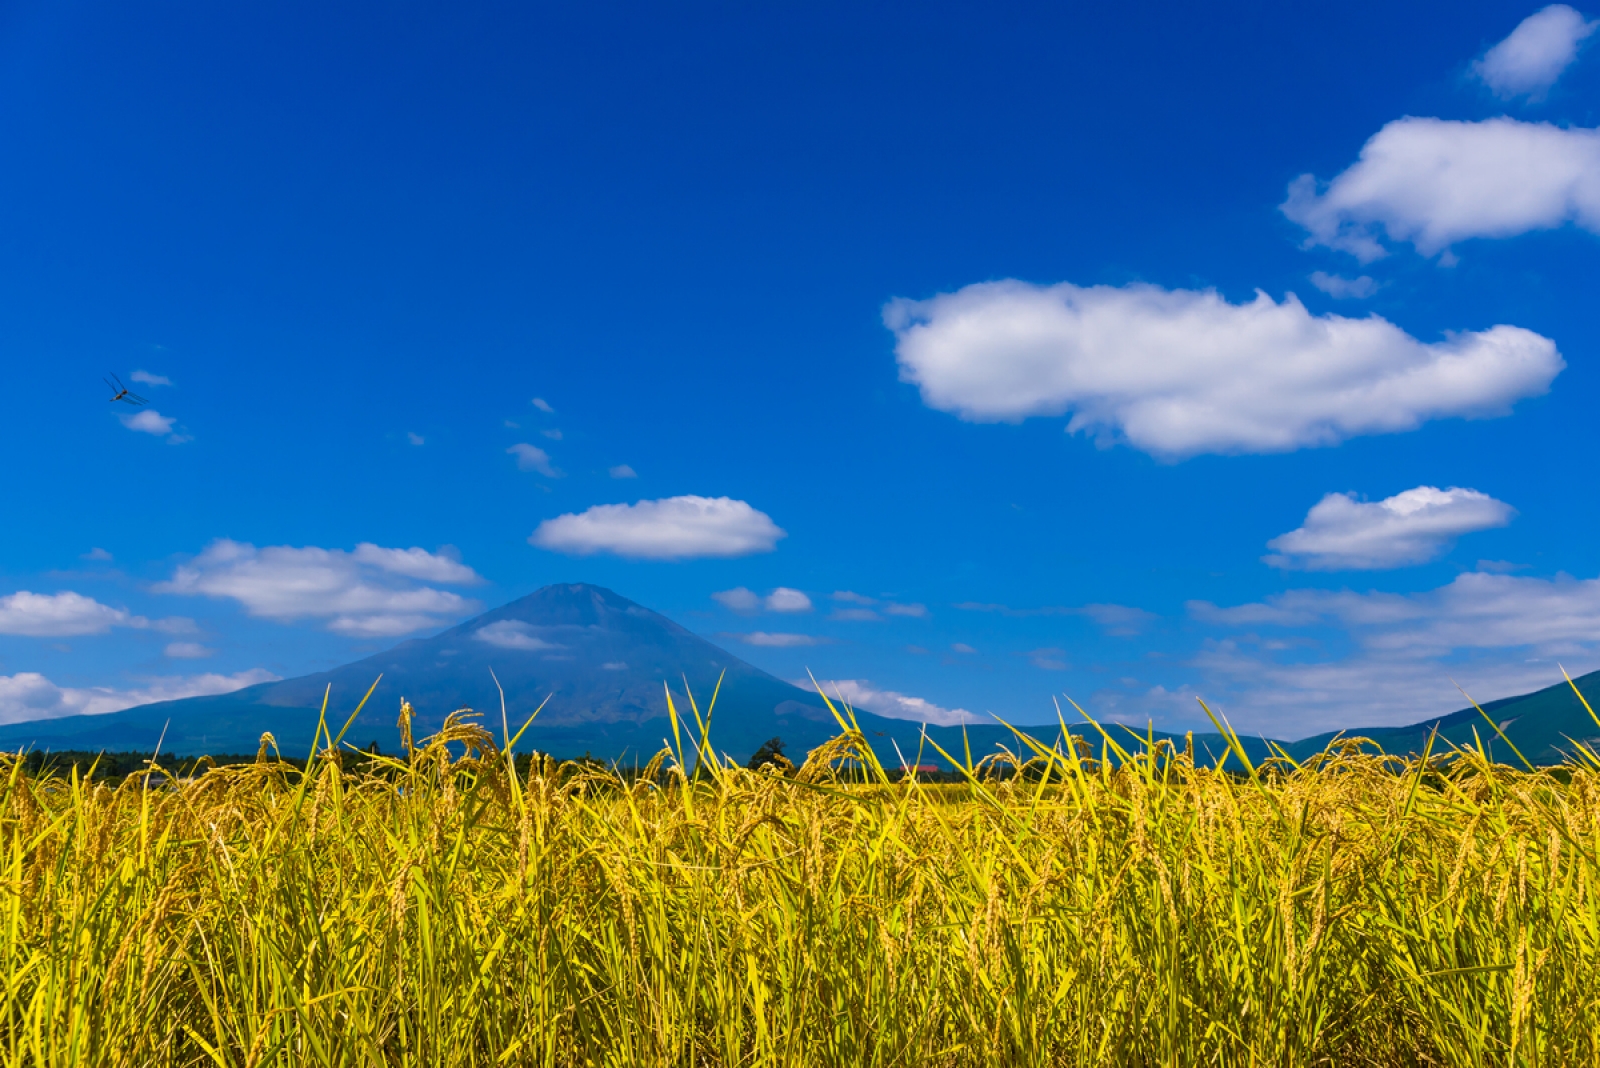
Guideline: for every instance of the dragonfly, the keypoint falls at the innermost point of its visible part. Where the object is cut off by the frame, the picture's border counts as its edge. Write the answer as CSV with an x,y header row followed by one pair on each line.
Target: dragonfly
x,y
122,393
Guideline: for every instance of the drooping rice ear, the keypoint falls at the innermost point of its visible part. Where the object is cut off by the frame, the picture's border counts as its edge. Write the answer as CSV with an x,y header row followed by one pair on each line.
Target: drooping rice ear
x,y
405,728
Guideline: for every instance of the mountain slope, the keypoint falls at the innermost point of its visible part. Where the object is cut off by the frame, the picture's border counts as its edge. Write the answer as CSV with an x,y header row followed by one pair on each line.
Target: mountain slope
x,y
1541,725
600,659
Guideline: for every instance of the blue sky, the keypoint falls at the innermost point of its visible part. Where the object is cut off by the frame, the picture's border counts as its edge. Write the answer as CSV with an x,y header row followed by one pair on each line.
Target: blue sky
x,y
1006,337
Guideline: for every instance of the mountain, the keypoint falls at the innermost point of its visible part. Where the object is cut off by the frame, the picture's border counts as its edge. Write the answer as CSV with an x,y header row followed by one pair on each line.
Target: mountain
x,y
602,661
599,658
1542,726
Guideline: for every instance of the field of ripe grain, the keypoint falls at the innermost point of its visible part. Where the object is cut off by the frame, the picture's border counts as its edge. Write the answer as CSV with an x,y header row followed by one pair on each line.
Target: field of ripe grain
x,y
448,910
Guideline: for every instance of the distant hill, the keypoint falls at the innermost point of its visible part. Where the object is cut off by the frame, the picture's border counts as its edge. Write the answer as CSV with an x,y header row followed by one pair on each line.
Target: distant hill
x,y
1541,725
602,660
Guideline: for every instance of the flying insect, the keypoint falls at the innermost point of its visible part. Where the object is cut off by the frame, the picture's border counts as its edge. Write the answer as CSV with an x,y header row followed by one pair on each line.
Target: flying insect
x,y
122,393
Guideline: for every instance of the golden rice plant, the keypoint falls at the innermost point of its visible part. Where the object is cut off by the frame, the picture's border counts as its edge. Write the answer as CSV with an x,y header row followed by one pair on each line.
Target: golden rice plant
x,y
1059,907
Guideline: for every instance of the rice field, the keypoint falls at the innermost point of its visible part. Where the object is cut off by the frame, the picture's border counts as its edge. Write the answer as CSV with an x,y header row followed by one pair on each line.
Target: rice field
x,y
1060,907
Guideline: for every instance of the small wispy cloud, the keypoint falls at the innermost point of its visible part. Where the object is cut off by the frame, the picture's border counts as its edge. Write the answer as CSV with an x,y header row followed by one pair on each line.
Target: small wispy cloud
x,y
738,599
150,421
543,405
784,599
1048,659
96,554
513,634
859,693
187,651
415,439
149,379
1119,620
868,608
1533,57
623,471
777,641
533,458
1341,288
553,434
747,601
1013,613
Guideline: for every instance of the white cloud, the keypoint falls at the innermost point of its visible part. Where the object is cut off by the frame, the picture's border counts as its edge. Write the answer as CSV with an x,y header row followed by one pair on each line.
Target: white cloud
x,y
1118,620
146,378
1528,62
784,599
1262,695
513,634
416,439
553,435
738,599
776,641
962,647
1048,659
623,471
1341,288
366,593
150,421
187,651
1477,610
543,405
1017,613
614,665
1433,182
418,564
870,607
97,554
533,458
29,696
859,693
387,625
1343,533
1496,635
1181,372
675,528
60,615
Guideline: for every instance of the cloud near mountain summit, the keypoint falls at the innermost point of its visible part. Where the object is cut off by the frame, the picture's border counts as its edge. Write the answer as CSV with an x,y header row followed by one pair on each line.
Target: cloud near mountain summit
x,y
674,528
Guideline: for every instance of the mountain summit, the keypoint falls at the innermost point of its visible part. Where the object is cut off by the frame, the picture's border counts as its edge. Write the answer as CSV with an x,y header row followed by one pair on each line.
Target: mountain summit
x,y
600,659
